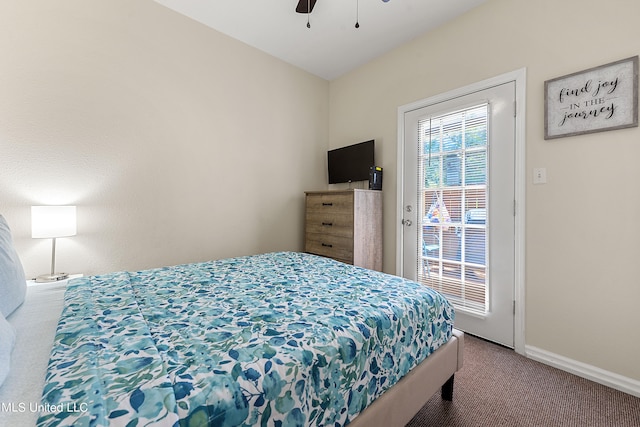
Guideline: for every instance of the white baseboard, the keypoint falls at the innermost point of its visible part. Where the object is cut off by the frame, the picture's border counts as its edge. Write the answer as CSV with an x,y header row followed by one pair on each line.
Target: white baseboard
x,y
610,379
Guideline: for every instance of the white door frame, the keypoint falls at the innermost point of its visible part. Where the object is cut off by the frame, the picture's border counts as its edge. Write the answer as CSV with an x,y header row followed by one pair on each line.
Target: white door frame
x,y
519,77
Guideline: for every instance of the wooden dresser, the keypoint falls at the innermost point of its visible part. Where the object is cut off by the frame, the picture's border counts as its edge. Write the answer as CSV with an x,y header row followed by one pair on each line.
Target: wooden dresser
x,y
345,225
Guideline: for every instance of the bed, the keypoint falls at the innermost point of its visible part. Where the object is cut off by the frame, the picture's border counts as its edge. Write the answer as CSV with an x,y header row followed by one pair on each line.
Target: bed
x,y
278,339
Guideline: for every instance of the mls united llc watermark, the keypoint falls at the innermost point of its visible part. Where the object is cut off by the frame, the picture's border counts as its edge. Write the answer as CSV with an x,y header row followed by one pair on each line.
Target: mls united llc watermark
x,y
43,408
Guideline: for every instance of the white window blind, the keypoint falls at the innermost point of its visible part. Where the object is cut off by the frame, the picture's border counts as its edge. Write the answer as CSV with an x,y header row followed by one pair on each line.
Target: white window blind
x,y
452,188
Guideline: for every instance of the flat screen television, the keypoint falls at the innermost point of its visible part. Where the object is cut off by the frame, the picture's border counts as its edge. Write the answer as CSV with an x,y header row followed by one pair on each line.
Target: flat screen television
x,y
351,163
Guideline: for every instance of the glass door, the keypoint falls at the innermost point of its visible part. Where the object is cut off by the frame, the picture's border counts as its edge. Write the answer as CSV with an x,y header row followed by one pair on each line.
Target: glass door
x,y
458,197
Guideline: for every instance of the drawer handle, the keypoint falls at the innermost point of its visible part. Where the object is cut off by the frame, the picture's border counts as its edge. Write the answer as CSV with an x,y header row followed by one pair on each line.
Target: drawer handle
x,y
328,224
326,245
327,204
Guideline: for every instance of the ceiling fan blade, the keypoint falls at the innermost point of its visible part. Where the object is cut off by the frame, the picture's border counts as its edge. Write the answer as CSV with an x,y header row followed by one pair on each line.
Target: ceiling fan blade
x,y
305,6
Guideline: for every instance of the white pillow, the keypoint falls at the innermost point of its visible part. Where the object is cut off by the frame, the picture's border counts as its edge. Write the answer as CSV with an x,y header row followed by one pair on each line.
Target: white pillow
x,y
13,286
7,340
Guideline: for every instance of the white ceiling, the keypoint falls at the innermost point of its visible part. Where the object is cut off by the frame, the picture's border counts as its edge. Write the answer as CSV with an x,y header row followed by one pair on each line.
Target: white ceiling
x,y
332,46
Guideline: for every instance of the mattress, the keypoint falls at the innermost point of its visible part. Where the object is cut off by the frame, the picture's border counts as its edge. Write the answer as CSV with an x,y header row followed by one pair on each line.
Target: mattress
x,y
275,339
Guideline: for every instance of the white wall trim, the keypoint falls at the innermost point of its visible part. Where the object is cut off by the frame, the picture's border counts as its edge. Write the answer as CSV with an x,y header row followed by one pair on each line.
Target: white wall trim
x,y
520,78
590,372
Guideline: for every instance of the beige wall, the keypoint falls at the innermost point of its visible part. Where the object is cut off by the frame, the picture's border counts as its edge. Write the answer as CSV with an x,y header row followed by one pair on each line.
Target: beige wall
x,y
155,126
583,226
177,143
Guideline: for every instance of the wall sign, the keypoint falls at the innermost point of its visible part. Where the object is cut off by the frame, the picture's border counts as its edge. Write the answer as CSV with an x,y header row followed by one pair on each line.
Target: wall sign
x,y
594,100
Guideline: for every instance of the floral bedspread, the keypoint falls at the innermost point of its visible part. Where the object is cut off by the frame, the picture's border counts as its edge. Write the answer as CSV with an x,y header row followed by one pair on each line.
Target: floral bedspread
x,y
281,339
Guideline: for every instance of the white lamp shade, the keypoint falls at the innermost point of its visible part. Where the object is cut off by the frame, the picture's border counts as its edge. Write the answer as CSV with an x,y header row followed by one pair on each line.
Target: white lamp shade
x,y
53,221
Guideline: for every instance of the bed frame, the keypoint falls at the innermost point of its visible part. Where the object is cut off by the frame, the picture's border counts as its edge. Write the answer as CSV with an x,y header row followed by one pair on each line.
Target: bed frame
x,y
398,405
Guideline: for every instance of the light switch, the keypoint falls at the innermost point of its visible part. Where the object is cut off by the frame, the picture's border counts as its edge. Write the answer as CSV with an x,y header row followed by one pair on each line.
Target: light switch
x,y
539,175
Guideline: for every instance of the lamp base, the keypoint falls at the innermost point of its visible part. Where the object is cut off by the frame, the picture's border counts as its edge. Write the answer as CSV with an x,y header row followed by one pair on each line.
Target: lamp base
x,y
55,277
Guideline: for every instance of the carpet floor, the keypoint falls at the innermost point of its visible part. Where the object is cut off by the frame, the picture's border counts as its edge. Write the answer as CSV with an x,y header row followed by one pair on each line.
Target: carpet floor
x,y
498,387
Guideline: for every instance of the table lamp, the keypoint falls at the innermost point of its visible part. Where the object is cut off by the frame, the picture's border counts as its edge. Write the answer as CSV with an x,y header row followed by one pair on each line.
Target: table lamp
x,y
51,222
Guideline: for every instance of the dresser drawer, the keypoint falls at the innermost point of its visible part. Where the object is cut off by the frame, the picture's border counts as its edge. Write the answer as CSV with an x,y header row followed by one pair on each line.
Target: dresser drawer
x,y
330,246
330,203
338,224
345,225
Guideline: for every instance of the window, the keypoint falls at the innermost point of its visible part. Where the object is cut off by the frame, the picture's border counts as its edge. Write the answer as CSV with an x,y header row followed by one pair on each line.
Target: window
x,y
453,198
